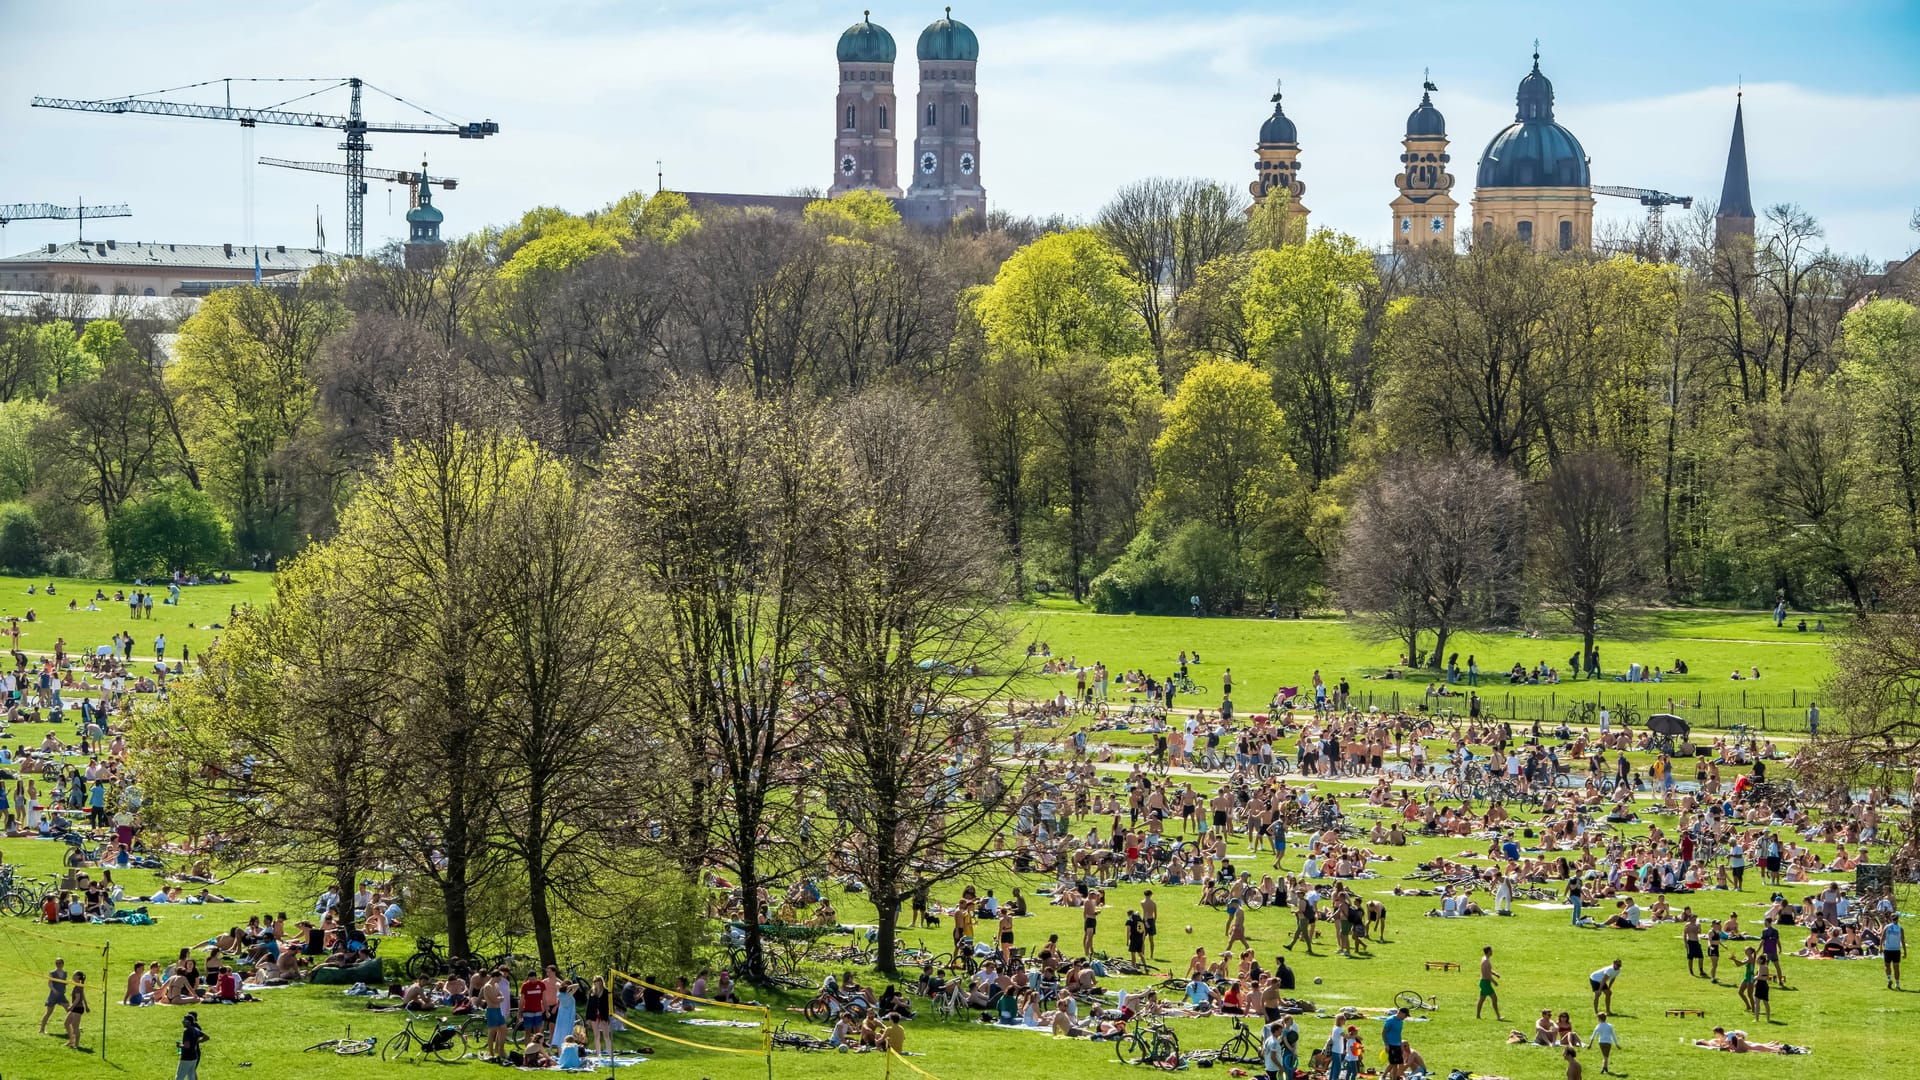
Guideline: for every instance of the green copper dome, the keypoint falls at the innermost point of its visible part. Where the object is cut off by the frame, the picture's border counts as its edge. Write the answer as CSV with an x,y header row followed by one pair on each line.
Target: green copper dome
x,y
1534,151
948,39
866,42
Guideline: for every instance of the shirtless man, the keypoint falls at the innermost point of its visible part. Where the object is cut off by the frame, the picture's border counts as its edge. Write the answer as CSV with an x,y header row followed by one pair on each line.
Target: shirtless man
x,y
1696,957
1150,912
1090,912
1006,934
1573,1064
1488,979
495,1002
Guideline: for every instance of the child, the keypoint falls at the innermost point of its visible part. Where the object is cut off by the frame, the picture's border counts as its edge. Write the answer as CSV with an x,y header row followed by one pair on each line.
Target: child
x,y
1604,1038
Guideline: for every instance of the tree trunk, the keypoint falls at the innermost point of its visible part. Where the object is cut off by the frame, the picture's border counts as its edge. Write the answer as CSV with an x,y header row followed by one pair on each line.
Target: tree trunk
x,y
887,915
537,908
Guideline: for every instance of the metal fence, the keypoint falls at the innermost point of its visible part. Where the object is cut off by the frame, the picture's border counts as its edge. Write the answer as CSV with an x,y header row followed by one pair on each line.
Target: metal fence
x,y
1768,710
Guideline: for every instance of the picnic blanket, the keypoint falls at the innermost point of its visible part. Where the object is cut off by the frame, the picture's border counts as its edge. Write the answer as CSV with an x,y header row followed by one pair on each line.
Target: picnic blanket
x,y
703,1022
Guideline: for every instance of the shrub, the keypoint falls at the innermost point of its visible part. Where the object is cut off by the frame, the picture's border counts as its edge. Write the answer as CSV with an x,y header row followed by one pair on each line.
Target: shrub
x,y
175,528
23,546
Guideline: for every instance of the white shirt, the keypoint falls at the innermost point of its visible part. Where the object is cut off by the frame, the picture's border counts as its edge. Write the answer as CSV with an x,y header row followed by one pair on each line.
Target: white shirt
x,y
1337,1042
1602,1033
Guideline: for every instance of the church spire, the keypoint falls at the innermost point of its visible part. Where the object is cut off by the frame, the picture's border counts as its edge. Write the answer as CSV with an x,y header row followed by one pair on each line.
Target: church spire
x,y
1735,216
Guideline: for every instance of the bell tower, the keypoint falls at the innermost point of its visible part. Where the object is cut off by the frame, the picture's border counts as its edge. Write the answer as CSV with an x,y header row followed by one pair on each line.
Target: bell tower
x,y
945,167
1277,161
865,154
1423,211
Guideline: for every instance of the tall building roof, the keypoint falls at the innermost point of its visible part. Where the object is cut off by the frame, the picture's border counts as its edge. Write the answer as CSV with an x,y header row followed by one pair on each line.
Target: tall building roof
x,y
1736,199
948,39
865,42
1279,129
80,255
1534,150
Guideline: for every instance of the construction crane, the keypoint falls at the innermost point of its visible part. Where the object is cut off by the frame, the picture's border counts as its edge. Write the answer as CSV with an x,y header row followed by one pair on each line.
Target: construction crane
x,y
391,176
1656,203
39,211
354,125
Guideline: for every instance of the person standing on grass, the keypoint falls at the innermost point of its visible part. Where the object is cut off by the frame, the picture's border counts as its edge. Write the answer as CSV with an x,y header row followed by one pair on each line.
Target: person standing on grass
x,y
76,1009
1604,1038
1390,1035
1892,940
600,1016
1303,923
1336,1051
1006,934
56,991
191,1039
1090,914
494,1000
1272,1048
1150,917
1601,982
1573,1064
1762,998
1770,951
1488,979
1696,957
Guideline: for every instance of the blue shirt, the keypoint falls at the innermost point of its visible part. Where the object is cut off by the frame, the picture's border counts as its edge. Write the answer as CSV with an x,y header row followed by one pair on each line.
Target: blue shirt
x,y
1390,1030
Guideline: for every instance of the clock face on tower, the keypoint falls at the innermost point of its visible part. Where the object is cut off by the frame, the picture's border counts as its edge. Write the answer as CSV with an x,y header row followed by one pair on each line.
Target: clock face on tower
x,y
1437,224
847,165
928,163
966,164
1406,224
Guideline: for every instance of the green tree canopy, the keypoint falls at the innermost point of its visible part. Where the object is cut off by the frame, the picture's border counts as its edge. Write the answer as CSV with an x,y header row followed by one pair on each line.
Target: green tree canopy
x,y
175,528
1064,293
1220,456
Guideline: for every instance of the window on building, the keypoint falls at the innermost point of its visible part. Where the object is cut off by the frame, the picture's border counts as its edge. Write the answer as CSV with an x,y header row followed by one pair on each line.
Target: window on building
x,y
1566,236
1526,232
966,115
1486,229
849,118
148,291
883,117
929,114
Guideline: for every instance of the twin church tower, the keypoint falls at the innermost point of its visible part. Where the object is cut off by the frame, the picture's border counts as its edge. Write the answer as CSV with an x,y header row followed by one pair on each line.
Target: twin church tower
x,y
944,170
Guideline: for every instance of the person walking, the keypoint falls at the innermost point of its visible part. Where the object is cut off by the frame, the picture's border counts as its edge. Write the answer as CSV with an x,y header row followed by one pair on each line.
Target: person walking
x,y
1892,940
1605,1038
1272,1049
1601,982
192,1037
1813,719
1488,979
56,991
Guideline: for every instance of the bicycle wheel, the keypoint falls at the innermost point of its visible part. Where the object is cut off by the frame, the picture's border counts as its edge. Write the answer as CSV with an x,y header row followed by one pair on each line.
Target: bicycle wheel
x,y
1163,1050
449,1045
330,1044
425,966
355,1047
1133,1048
15,904
396,1047
818,1012
1410,1001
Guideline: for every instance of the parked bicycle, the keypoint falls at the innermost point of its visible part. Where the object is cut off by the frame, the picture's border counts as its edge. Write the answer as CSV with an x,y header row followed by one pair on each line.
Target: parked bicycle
x,y
426,1036
1149,1041
347,1046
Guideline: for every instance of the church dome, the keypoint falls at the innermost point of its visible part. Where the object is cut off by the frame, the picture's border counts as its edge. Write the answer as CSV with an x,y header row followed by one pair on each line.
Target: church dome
x,y
948,39
1534,151
1426,120
866,42
1278,128
426,213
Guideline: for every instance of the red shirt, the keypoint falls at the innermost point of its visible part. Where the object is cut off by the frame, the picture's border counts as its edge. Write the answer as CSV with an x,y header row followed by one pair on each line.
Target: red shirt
x,y
531,993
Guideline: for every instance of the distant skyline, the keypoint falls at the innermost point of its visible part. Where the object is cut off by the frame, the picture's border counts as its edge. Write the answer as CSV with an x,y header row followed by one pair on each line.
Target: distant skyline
x,y
1076,100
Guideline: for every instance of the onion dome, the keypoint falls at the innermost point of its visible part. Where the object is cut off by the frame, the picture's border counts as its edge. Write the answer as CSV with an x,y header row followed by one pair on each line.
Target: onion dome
x,y
948,39
1534,151
1278,130
1426,120
866,42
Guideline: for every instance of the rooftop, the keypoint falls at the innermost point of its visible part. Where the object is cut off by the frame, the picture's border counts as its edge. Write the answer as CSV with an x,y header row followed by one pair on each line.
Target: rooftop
x,y
109,253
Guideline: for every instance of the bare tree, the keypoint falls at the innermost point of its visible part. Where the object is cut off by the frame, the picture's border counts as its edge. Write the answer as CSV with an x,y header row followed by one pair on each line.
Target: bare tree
x,y
1166,229
1435,546
1586,544
718,495
907,622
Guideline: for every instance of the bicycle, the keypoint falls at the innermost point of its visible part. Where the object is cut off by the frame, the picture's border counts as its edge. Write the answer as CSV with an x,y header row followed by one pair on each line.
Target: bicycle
x,y
443,1042
28,897
788,1039
427,961
1241,1047
345,1047
1149,1042
1411,1001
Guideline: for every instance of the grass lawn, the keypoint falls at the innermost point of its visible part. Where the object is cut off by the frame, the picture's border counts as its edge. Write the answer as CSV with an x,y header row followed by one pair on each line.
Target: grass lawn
x,y
1839,1008
1266,654
188,624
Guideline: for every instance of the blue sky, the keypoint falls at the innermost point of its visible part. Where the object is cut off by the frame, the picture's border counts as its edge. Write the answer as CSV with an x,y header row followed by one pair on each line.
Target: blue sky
x,y
1076,99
